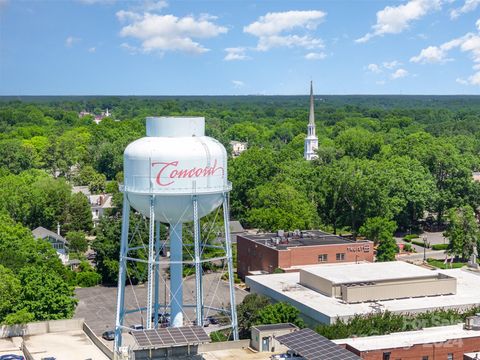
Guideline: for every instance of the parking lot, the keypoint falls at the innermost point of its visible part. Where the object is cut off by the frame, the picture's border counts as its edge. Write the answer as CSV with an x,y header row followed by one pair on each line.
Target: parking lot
x,y
97,305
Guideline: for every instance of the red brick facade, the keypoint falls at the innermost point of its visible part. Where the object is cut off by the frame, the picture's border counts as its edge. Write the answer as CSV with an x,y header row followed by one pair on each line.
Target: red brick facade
x,y
253,255
452,349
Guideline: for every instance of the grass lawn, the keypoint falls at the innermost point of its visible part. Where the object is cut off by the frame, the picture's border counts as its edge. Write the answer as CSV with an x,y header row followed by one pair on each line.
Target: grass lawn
x,y
439,264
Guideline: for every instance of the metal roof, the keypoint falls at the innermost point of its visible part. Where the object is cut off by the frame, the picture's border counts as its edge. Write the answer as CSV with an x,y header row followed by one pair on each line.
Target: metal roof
x,y
313,346
42,233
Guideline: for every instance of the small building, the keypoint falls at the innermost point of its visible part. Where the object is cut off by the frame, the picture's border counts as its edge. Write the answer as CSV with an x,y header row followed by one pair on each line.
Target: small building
x,y
264,253
331,292
238,147
443,342
58,242
263,337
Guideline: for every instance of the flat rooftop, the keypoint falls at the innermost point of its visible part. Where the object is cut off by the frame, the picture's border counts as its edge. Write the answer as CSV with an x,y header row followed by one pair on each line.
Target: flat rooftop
x,y
298,238
270,327
410,338
325,309
367,272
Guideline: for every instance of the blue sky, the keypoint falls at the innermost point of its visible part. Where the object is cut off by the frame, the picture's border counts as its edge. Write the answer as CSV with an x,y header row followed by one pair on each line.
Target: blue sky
x,y
112,47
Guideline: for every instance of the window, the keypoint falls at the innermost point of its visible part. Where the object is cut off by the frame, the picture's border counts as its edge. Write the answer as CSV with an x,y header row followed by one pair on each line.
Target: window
x,y
450,356
425,357
386,356
322,258
341,257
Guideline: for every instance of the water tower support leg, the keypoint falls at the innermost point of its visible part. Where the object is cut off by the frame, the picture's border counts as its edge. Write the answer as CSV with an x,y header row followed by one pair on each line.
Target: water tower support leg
x,y
176,275
151,263
121,274
198,264
228,246
157,273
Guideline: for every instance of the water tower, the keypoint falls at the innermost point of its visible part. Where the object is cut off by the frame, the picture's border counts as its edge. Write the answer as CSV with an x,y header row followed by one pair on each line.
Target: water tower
x,y
174,175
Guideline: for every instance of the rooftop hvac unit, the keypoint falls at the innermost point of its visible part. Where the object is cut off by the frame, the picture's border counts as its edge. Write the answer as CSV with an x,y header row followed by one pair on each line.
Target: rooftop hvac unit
x,y
280,233
472,323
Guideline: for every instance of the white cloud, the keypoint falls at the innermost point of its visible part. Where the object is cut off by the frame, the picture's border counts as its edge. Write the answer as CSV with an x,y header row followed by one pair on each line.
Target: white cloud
x,y
131,49
461,81
431,54
468,6
236,53
474,79
169,33
154,5
391,64
478,24
374,68
70,41
315,56
237,84
400,73
395,19
92,49
274,29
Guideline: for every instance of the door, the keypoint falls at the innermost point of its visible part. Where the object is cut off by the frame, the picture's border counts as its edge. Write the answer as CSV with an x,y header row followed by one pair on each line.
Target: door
x,y
265,344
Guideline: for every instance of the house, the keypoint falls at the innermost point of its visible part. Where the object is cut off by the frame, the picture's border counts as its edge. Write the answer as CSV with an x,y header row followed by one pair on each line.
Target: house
x,y
238,147
98,203
58,242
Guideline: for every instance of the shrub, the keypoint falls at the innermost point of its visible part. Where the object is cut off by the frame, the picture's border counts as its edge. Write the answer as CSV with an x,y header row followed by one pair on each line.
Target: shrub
x,y
440,247
409,237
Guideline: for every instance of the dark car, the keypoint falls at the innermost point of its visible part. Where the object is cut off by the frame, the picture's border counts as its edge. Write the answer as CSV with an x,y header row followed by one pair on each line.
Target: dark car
x,y
213,320
49,358
11,357
109,335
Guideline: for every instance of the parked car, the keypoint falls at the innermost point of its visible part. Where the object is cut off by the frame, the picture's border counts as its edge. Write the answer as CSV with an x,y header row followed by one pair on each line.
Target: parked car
x,y
205,322
109,335
136,327
11,357
212,319
49,358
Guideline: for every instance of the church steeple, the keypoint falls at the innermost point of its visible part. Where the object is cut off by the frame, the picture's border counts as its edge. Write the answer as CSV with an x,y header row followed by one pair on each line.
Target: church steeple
x,y
311,141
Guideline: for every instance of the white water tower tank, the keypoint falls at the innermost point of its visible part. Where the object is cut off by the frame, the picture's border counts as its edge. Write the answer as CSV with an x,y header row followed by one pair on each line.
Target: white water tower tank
x,y
174,162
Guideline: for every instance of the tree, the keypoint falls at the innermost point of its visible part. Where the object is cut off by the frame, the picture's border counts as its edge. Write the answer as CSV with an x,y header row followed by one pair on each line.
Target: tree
x,y
9,292
280,206
247,313
377,229
19,317
462,232
387,249
79,216
278,313
45,294
97,183
76,241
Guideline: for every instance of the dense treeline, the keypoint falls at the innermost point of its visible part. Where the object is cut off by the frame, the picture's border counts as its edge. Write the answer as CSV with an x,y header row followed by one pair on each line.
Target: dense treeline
x,y
384,163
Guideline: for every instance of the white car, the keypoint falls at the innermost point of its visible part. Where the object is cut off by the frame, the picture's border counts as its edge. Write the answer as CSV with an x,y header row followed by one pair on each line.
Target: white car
x,y
288,355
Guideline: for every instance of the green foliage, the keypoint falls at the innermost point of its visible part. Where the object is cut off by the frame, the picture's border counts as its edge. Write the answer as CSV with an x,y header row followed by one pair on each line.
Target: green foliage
x,y
280,207
448,265
388,322
462,232
410,237
408,248
218,336
378,229
279,313
440,247
77,241
386,250
9,291
19,317
248,313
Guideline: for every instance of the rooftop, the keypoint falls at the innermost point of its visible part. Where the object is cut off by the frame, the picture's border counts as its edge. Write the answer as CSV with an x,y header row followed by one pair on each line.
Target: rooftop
x,y
365,272
274,327
410,338
42,233
286,287
283,239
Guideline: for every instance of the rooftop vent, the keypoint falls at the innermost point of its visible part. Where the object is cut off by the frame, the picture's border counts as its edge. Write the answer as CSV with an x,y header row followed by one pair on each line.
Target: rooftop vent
x,y
472,322
280,233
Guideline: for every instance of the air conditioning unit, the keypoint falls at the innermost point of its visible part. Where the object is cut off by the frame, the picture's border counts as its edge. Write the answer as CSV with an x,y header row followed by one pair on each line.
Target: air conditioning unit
x,y
472,322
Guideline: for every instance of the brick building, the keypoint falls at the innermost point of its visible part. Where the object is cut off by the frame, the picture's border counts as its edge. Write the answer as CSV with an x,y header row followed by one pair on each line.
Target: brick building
x,y
438,343
263,253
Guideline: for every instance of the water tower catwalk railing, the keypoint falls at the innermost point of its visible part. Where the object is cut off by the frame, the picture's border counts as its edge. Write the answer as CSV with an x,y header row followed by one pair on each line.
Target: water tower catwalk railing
x,y
187,202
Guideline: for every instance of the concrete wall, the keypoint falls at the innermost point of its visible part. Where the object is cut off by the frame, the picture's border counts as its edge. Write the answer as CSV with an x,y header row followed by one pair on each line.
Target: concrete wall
x,y
42,327
98,342
223,345
399,289
274,345
316,283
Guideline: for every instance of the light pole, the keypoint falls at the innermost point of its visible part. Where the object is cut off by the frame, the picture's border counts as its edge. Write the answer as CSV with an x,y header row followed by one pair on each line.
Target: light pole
x,y
425,249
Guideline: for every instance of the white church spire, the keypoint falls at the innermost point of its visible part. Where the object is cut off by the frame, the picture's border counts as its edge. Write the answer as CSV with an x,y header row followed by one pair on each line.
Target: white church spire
x,y
311,141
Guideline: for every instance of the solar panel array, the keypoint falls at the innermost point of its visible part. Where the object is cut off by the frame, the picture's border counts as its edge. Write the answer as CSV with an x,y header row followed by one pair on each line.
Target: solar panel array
x,y
312,346
166,337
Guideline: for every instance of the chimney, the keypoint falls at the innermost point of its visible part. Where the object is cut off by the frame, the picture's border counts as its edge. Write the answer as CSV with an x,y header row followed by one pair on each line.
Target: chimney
x,y
58,229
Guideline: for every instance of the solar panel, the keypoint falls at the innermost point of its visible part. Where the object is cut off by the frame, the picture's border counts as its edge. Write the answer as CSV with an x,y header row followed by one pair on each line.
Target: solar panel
x,y
313,346
166,337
